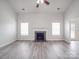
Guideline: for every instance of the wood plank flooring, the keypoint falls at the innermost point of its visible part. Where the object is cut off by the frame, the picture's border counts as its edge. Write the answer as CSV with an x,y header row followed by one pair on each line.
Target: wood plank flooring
x,y
40,50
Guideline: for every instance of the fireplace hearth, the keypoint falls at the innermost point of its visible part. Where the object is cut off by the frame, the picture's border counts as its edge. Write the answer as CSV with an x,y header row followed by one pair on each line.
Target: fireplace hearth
x,y
40,36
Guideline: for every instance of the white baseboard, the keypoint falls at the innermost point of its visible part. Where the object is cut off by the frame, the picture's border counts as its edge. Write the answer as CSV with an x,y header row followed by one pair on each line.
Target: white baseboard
x,y
74,40
46,40
67,41
7,43
54,39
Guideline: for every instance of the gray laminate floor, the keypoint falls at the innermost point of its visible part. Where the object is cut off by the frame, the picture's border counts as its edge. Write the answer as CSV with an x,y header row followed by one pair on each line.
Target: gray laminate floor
x,y
40,50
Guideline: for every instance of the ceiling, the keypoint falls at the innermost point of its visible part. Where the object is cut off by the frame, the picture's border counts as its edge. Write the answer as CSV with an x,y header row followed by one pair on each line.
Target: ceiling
x,y
30,6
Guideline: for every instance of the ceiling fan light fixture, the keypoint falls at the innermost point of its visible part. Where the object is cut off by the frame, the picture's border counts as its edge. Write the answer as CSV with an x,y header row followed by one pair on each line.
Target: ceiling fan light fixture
x,y
46,2
42,1
37,5
38,1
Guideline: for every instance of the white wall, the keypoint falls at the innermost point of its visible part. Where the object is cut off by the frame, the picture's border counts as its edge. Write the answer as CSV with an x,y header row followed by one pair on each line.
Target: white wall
x,y
7,23
40,22
72,16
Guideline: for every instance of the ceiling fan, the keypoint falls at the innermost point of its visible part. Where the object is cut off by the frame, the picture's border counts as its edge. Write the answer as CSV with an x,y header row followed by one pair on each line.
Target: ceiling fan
x,y
42,1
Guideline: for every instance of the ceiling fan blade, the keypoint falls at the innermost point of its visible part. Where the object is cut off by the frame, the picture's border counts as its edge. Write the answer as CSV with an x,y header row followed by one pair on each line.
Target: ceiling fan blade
x,y
46,2
37,5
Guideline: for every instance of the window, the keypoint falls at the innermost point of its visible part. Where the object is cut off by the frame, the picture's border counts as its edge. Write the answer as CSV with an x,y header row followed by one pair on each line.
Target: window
x,y
24,28
55,28
72,31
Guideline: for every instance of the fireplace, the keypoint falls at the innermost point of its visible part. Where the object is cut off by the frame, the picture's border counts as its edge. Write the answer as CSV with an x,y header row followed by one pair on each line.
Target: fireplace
x,y
40,36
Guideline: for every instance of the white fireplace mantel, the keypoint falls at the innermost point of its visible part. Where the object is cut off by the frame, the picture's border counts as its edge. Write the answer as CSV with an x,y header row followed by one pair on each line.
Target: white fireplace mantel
x,y
40,29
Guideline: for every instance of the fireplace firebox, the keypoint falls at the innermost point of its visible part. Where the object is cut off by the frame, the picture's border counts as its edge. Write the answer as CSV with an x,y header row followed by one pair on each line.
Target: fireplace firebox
x,y
40,36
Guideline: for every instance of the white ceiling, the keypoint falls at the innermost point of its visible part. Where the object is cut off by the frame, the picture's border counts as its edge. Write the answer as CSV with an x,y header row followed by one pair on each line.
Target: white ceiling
x,y
30,6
